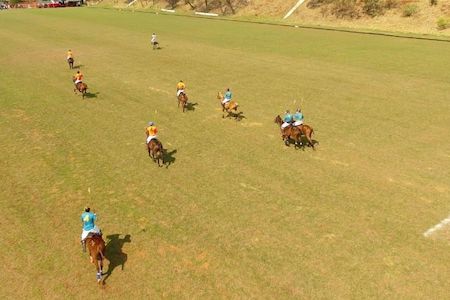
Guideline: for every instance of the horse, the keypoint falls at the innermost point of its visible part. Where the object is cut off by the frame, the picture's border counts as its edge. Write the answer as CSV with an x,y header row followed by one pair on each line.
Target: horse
x,y
289,132
182,99
70,61
155,45
81,87
156,151
228,107
302,129
96,247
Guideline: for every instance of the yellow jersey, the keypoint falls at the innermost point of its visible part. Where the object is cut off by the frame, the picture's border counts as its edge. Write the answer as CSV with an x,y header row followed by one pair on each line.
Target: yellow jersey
x,y
78,76
151,131
181,86
69,54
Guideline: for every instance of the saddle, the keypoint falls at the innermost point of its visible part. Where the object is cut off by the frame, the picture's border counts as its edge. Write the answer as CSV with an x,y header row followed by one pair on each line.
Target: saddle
x,y
93,234
229,105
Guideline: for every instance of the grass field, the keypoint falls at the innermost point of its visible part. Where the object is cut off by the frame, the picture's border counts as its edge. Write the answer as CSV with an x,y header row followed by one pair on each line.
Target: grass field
x,y
236,214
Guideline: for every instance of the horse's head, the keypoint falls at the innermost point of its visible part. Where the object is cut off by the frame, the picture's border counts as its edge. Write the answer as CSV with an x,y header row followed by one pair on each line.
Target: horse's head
x,y
73,78
278,120
219,96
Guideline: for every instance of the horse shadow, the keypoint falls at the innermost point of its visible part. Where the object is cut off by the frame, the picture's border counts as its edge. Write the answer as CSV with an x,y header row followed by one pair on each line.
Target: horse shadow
x,y
77,66
237,116
91,95
191,106
304,143
114,253
169,158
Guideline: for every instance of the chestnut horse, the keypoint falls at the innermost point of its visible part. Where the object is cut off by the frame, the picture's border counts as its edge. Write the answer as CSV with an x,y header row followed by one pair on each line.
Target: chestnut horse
x,y
70,61
96,247
156,151
81,87
182,99
291,131
228,107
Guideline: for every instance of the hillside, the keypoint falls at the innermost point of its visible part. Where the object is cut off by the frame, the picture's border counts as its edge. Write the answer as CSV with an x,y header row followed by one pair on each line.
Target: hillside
x,y
410,16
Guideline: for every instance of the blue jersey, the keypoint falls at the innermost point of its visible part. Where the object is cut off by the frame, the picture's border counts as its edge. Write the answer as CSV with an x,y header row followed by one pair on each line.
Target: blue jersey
x,y
228,95
88,219
298,116
287,118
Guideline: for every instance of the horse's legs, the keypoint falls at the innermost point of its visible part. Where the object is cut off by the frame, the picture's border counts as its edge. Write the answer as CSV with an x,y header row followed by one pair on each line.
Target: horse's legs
x,y
308,134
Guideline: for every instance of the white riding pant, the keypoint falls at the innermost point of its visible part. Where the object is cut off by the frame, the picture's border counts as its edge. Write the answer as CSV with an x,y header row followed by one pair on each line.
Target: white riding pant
x,y
85,233
284,125
179,92
151,137
77,81
225,101
298,123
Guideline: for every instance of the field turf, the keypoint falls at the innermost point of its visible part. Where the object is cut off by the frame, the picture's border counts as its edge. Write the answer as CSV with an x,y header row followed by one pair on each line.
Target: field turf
x,y
236,214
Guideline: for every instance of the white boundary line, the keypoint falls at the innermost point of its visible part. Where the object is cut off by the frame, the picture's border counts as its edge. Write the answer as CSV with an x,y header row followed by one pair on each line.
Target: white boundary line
x,y
131,3
206,14
294,8
437,227
168,10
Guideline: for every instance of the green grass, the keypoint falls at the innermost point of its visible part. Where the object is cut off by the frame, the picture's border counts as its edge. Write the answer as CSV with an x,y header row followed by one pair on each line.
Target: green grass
x,y
237,214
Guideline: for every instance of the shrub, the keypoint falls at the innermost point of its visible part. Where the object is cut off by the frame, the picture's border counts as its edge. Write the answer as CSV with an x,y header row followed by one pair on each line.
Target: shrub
x,y
173,3
390,4
317,3
443,23
345,9
410,9
372,7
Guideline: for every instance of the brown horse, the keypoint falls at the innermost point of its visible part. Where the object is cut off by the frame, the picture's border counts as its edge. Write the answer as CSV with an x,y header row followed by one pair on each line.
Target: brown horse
x,y
96,247
80,87
70,61
156,151
182,99
228,107
289,133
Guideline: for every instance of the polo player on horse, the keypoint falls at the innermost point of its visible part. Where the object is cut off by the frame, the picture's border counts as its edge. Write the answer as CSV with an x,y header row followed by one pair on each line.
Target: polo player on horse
x,y
180,87
88,218
227,98
151,131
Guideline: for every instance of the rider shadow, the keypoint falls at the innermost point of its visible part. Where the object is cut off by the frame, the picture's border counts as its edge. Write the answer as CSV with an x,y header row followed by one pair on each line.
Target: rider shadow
x,y
91,95
77,66
191,106
169,158
114,253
